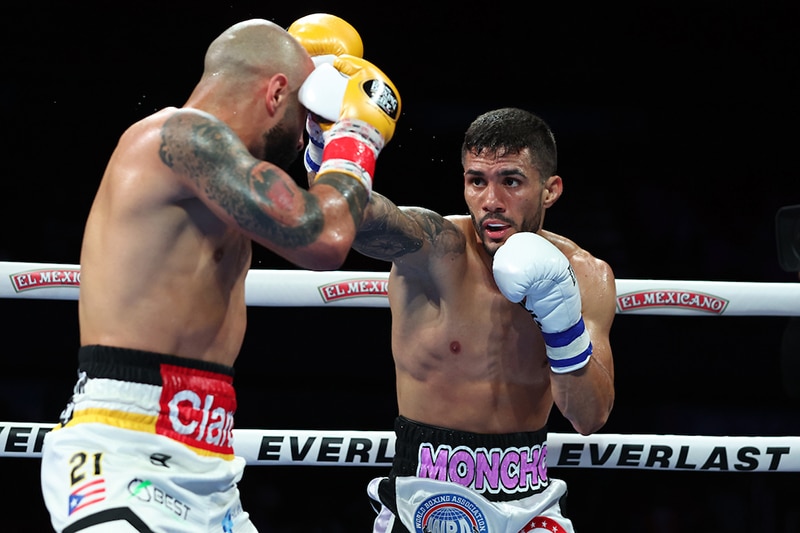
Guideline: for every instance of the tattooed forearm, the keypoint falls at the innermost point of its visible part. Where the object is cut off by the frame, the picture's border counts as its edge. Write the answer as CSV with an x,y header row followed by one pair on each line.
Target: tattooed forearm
x,y
352,190
390,232
269,210
254,193
386,232
444,237
382,240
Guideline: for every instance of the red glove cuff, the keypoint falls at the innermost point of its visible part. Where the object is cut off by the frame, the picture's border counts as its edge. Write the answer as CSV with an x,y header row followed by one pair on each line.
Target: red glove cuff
x,y
352,147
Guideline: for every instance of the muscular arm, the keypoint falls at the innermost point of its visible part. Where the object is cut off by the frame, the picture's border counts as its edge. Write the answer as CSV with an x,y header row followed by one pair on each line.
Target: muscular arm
x,y
312,228
585,397
406,236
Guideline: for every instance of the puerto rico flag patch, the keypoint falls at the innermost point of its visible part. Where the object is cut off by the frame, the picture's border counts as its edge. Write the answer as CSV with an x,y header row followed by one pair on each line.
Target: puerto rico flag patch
x,y
86,494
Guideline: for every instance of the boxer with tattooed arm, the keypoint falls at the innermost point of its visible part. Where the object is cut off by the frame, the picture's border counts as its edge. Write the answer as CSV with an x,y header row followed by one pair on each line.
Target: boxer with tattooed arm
x,y
494,321
145,443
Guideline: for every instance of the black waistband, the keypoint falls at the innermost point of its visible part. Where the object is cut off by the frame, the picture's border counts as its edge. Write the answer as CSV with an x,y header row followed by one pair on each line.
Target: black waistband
x,y
410,435
138,366
417,443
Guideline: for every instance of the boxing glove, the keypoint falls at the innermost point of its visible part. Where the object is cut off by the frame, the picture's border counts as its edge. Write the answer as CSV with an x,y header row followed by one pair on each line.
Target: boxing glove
x,y
315,146
363,106
326,36
352,87
529,269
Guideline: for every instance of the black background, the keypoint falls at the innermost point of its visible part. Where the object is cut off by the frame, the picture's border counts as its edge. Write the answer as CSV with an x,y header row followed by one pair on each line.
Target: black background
x,y
677,130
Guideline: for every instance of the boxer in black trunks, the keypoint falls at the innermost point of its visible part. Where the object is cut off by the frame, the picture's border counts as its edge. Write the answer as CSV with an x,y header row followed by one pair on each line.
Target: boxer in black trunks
x,y
494,321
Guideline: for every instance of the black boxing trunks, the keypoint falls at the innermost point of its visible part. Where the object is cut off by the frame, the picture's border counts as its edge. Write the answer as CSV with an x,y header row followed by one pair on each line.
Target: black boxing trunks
x,y
460,481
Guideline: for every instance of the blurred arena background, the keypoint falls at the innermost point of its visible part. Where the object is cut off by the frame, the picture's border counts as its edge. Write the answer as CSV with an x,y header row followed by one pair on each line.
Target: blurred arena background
x,y
677,132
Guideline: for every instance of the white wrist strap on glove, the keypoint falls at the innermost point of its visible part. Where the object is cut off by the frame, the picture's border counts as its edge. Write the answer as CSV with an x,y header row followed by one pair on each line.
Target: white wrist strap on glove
x,y
529,267
568,350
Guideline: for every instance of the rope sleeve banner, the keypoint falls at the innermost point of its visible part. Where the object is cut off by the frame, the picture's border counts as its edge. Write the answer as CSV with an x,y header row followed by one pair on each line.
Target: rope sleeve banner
x,y
302,288
347,448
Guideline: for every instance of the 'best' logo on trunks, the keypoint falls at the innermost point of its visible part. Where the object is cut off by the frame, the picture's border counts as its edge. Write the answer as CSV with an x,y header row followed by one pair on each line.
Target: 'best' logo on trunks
x,y
197,408
510,470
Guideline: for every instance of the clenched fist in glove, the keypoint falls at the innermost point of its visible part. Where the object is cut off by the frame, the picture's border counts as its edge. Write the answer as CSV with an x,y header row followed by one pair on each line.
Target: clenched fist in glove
x,y
363,105
325,37
528,267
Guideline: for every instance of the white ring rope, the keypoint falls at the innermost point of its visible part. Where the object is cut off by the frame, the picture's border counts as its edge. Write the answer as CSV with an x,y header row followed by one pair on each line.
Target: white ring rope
x,y
302,288
376,448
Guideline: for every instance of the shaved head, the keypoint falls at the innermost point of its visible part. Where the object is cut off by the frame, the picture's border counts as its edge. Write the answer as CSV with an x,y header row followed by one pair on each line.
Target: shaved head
x,y
256,48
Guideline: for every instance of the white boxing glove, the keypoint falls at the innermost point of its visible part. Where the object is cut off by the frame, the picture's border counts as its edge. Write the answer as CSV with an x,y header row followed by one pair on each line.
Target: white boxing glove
x,y
357,108
325,37
528,267
323,91
352,88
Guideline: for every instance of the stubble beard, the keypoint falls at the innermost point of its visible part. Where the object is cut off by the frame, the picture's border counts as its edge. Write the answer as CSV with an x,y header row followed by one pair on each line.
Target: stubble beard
x,y
280,147
528,225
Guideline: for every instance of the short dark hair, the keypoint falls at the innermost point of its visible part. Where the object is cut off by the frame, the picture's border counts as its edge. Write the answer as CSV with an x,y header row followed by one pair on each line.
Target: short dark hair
x,y
511,130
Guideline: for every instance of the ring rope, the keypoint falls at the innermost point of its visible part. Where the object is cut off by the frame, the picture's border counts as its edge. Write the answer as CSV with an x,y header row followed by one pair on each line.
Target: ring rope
x,y
302,288
376,449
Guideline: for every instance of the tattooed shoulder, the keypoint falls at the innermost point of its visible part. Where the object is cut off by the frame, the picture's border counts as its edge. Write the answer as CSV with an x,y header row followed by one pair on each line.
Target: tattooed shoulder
x,y
189,136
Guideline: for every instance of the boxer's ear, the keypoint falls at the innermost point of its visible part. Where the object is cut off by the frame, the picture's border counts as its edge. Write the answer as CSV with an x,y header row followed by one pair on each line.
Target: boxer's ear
x,y
553,186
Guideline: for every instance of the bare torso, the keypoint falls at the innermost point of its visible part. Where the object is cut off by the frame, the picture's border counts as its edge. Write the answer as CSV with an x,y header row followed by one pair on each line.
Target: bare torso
x,y
159,271
466,358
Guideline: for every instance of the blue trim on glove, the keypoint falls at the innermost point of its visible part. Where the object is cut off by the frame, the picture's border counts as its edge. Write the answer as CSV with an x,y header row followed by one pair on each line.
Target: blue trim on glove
x,y
563,338
568,350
